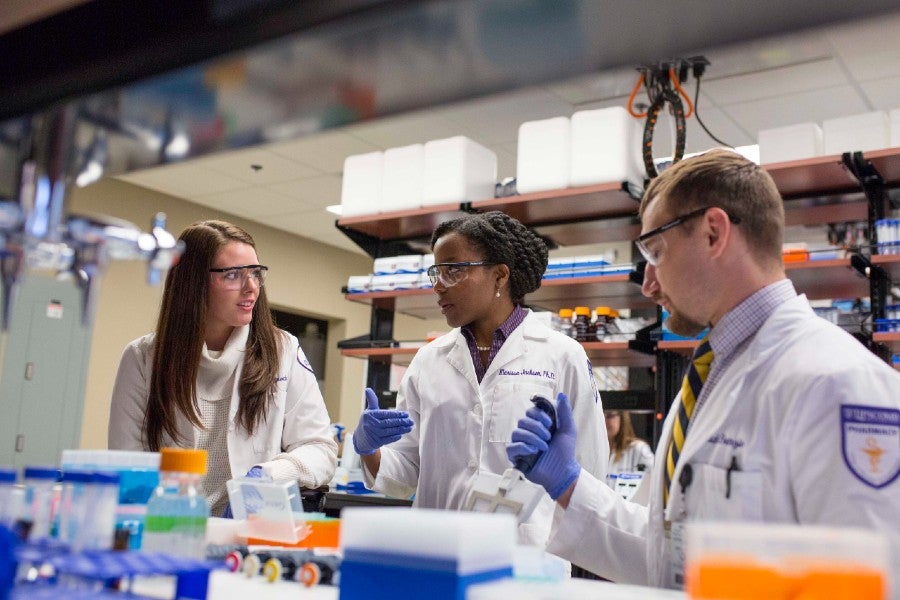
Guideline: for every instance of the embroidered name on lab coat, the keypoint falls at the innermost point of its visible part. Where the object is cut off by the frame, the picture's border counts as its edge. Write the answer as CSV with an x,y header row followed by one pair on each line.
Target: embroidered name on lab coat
x,y
530,373
721,438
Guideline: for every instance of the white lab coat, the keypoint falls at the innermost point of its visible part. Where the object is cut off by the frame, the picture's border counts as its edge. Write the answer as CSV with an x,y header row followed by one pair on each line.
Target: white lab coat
x,y
296,427
778,411
462,427
637,454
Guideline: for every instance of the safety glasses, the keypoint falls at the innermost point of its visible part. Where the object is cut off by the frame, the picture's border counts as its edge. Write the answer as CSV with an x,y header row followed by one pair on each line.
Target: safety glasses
x,y
450,274
234,278
652,244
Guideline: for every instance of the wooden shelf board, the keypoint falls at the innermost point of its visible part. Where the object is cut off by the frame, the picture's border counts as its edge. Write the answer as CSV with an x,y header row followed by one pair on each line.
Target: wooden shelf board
x,y
570,204
891,263
887,162
891,339
616,354
685,347
812,176
822,279
403,224
601,354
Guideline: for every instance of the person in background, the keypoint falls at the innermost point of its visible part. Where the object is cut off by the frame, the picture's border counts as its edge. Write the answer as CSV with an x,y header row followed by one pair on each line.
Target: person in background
x,y
783,417
463,392
627,452
217,374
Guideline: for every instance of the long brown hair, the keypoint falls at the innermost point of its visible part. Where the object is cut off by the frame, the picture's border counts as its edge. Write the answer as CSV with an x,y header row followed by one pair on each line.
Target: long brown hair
x,y
179,339
625,436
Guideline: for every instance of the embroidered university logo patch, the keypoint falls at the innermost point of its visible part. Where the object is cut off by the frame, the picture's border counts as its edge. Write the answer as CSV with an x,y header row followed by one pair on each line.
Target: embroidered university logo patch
x,y
870,443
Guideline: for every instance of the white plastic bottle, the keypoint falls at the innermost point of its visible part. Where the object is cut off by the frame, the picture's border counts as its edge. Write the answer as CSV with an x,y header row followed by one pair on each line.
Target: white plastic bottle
x,y
177,511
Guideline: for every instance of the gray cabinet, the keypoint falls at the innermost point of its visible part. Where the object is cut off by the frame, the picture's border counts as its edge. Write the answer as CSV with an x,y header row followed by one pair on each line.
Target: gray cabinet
x,y
44,366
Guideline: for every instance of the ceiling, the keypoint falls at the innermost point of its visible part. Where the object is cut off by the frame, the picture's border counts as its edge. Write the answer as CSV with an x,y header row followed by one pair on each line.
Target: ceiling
x,y
808,76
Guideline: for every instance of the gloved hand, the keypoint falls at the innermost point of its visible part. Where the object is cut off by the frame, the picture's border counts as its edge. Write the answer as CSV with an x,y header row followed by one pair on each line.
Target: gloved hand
x,y
255,472
379,427
557,468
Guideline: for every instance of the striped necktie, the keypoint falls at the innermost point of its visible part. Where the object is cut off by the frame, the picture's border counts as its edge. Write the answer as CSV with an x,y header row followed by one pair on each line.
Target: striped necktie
x,y
690,390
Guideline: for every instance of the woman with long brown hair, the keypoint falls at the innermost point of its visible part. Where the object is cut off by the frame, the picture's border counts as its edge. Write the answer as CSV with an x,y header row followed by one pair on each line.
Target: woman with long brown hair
x,y
627,452
217,374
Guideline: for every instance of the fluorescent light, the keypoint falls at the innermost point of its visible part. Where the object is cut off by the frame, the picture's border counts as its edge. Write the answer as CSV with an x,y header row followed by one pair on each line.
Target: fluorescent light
x,y
335,209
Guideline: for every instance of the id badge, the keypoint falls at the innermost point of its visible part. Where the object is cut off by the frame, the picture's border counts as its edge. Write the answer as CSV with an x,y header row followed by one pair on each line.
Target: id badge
x,y
675,551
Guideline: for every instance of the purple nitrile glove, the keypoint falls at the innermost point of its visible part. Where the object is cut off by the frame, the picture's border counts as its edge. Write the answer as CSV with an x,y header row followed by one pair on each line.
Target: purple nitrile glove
x,y
378,427
557,468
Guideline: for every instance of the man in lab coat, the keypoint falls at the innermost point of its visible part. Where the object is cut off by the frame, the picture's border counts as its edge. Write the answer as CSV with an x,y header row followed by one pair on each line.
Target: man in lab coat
x,y
794,421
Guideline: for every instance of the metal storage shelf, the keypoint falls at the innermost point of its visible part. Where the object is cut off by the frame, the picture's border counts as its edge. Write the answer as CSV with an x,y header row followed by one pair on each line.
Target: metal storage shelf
x,y
600,353
816,191
818,279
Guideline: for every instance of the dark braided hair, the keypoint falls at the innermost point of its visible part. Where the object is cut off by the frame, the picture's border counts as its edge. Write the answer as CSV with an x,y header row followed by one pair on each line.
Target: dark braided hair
x,y
503,240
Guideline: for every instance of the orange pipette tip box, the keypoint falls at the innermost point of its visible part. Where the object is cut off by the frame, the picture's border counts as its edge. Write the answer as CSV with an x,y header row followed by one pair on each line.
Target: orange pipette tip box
x,y
324,533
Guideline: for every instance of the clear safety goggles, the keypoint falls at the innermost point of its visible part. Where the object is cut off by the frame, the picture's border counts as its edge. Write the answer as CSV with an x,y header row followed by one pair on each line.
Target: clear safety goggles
x,y
652,244
450,274
234,278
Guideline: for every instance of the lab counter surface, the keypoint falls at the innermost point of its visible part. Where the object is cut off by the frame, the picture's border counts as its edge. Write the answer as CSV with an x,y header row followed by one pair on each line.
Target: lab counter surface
x,y
233,586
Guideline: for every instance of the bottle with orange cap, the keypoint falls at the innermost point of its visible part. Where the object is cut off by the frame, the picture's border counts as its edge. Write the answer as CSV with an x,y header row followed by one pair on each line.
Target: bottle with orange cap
x,y
177,511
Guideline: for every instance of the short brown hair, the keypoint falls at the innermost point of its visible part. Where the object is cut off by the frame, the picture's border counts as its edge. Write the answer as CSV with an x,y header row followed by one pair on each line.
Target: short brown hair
x,y
727,180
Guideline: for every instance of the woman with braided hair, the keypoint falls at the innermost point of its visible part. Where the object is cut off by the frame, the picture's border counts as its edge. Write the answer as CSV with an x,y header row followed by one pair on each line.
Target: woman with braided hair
x,y
464,392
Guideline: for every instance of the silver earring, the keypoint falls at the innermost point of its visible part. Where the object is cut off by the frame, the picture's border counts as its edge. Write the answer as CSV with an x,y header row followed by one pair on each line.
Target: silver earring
x,y
498,292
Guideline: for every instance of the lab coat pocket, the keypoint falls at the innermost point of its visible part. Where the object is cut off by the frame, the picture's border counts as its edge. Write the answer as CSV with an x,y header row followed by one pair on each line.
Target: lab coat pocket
x,y
509,404
725,494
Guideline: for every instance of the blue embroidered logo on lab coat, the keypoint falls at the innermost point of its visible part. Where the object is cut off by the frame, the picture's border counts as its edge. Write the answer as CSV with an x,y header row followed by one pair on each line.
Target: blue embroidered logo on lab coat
x,y
870,443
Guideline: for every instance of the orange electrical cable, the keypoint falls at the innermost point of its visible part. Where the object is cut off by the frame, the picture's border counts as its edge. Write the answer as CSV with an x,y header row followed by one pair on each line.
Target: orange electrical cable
x,y
690,105
634,92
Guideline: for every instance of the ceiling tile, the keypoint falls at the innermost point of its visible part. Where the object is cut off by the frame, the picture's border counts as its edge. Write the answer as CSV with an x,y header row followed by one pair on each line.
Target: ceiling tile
x,y
184,180
275,168
774,82
323,151
497,119
251,203
870,48
791,109
319,192
415,128
316,225
596,87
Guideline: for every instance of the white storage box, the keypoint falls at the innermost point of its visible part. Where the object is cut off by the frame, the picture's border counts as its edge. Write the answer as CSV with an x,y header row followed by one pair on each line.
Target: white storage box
x,y
361,190
457,170
606,147
407,263
793,142
401,183
856,133
359,283
389,283
894,117
543,155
